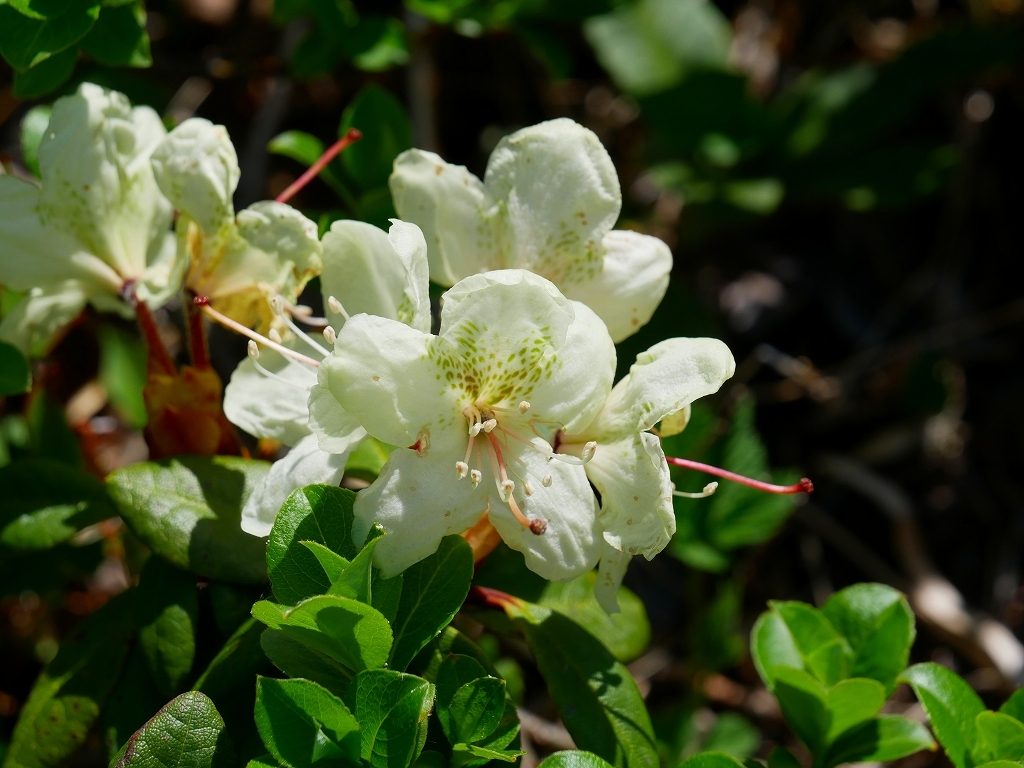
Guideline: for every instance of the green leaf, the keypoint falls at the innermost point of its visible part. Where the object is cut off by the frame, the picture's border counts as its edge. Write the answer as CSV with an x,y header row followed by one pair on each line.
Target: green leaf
x,y
298,660
188,510
1001,764
804,703
231,604
476,710
428,662
952,707
119,37
881,740
123,370
187,733
433,590
595,694
1000,737
386,133
51,436
576,758
298,145
824,652
367,460
852,702
355,579
454,671
626,634
878,624
168,610
1014,706
711,760
733,734
134,700
782,758
33,126
47,502
26,42
332,563
68,695
483,754
319,513
392,709
15,375
301,723
348,631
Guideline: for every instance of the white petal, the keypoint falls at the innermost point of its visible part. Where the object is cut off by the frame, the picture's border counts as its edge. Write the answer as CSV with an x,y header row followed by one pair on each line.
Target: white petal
x,y
629,285
663,380
165,271
97,183
304,465
382,372
632,477
378,273
268,407
336,429
572,542
197,169
524,341
418,500
34,322
561,196
609,578
449,204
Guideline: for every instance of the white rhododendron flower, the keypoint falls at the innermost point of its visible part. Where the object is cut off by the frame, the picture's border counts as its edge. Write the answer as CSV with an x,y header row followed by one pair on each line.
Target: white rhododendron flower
x,y
365,271
514,362
239,262
96,222
628,467
547,204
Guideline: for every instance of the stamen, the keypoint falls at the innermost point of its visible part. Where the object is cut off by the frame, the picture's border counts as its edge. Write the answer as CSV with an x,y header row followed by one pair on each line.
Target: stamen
x,y
276,377
278,304
275,336
489,425
254,350
469,449
213,314
304,315
461,469
330,335
336,308
546,482
507,487
709,489
527,488
586,453
475,476
524,407
804,486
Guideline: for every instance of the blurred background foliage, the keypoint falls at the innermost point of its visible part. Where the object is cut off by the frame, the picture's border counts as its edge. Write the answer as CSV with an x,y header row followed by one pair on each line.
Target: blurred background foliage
x,y
841,184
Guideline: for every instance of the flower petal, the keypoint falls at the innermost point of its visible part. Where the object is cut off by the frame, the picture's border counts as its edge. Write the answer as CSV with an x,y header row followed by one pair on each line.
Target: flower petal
x,y
165,271
609,578
382,372
35,321
304,465
663,380
418,501
197,169
378,273
269,407
629,285
561,196
449,204
335,428
632,477
572,542
98,185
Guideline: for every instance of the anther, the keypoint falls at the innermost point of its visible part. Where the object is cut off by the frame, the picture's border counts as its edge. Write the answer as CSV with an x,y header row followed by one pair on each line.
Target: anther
x,y
254,350
588,451
277,304
489,425
709,489
527,488
330,335
507,488
475,476
538,526
461,469
274,335
336,308
475,429
546,482
200,301
524,407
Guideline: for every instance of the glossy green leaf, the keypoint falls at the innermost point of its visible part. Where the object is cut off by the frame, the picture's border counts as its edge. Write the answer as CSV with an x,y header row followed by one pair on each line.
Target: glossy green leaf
x,y
392,709
804,703
319,513
450,642
134,700
476,710
386,133
595,694
68,695
626,634
348,631
119,39
26,42
473,754
123,369
433,590
46,502
302,723
355,580
298,145
188,510
15,375
1000,737
826,654
1014,706
1001,764
576,758
852,702
781,757
367,460
187,733
772,646
952,707
711,760
298,660
878,624
332,563
33,126
168,611
882,739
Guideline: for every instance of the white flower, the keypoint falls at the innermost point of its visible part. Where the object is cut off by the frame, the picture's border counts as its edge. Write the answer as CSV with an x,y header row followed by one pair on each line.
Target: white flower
x,y
628,467
97,222
365,270
547,204
239,262
513,363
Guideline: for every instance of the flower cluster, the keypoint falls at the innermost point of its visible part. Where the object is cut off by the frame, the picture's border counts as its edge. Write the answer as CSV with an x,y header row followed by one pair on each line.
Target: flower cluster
x,y
506,416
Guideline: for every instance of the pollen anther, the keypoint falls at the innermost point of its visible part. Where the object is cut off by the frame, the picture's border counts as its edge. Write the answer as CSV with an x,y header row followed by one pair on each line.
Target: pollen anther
x,y
524,406
330,335
254,350
461,469
475,476
274,335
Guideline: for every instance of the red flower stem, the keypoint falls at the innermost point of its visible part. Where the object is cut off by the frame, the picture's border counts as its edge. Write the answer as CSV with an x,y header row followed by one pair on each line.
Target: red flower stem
x,y
198,343
158,354
804,486
350,138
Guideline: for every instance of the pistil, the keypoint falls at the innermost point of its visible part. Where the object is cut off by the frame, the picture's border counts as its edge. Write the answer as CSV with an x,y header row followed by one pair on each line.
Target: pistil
x,y
804,486
227,322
